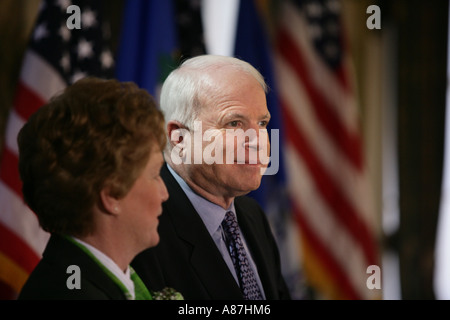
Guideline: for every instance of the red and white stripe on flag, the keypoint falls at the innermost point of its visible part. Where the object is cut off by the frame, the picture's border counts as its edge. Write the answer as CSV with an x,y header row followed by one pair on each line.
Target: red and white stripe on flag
x,y
328,179
21,239
56,55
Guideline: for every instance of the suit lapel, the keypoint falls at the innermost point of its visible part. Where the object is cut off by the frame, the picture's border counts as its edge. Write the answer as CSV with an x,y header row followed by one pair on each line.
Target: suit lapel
x,y
205,257
64,253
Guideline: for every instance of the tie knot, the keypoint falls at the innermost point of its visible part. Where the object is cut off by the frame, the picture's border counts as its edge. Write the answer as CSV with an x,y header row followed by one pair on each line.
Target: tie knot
x,y
229,223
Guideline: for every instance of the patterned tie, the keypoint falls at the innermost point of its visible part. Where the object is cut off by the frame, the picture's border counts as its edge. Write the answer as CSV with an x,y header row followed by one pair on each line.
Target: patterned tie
x,y
247,280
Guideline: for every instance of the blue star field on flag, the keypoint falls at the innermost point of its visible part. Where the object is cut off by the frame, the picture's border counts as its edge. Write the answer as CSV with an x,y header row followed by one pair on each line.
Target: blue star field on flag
x,y
74,53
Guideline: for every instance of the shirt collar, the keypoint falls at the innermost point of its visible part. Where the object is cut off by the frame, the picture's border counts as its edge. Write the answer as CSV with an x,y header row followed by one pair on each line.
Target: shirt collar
x,y
211,213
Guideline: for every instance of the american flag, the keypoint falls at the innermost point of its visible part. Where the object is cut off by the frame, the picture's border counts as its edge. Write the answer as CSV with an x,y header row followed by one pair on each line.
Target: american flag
x,y
328,178
57,55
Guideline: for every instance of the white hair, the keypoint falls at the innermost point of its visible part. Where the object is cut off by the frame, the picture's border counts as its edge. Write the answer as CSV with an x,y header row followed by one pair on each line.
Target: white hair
x,y
181,91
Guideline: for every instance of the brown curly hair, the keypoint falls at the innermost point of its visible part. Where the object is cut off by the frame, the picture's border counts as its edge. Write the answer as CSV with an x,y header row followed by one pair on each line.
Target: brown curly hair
x,y
96,134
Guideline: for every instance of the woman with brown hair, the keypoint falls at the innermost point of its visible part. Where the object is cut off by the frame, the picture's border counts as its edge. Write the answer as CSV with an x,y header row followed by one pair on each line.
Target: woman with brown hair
x,y
89,161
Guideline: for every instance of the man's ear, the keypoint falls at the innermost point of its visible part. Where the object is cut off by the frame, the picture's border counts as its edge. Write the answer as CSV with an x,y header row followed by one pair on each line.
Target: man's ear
x,y
175,131
109,203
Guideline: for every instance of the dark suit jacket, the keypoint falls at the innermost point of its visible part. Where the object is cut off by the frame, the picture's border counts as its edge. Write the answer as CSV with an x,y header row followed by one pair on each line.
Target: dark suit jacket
x,y
48,280
188,260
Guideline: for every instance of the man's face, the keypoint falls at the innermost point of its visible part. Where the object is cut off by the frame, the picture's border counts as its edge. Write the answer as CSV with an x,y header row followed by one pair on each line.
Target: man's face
x,y
237,116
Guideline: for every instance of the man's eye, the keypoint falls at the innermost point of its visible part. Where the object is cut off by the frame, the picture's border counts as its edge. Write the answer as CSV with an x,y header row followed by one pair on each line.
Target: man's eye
x,y
233,123
263,123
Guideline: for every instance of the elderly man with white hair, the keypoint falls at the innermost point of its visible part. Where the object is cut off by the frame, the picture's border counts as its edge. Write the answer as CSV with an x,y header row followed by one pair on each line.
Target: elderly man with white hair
x,y
216,243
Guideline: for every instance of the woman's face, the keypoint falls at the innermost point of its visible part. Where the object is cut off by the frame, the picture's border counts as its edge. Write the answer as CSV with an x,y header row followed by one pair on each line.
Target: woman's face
x,y
143,203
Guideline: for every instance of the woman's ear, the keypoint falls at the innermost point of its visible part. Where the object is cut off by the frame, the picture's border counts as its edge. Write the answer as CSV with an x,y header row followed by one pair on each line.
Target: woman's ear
x,y
109,203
